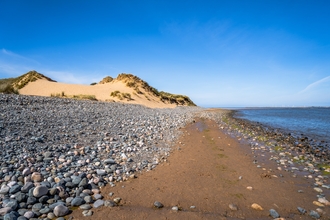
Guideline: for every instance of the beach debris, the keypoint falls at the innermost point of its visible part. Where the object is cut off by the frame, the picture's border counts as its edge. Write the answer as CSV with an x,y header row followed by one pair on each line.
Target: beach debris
x,y
256,206
249,188
192,207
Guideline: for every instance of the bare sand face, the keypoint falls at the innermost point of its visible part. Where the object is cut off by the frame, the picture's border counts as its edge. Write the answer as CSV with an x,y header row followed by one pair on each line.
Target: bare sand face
x,y
101,92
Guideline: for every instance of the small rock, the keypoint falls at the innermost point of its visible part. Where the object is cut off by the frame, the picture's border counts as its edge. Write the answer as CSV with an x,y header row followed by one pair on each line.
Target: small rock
x,y
40,191
36,177
233,207
117,200
273,213
255,206
77,201
158,205
85,207
314,214
98,203
301,210
109,203
87,213
175,208
318,204
61,211
317,189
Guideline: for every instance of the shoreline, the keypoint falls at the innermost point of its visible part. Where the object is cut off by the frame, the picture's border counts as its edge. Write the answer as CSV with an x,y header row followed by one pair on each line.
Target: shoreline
x,y
213,172
77,151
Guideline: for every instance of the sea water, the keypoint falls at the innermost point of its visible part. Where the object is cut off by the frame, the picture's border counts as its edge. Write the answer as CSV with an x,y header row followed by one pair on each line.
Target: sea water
x,y
311,122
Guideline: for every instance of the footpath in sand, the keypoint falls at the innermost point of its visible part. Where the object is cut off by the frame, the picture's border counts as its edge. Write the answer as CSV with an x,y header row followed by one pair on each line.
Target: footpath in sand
x,y
206,172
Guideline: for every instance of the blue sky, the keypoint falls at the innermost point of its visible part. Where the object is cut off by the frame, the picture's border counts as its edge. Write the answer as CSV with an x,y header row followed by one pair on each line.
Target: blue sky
x,y
219,53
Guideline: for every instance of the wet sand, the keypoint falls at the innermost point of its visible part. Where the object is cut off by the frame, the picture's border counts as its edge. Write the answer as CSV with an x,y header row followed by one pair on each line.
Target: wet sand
x,y
209,170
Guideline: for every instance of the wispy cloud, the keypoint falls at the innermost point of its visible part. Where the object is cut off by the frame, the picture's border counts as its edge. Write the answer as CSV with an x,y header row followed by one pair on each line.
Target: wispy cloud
x,y
17,56
315,84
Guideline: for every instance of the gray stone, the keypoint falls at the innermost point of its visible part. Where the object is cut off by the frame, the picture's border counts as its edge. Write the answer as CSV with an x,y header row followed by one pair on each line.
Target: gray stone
x,y
98,196
77,201
15,189
301,210
12,203
27,186
52,206
76,180
83,183
61,210
4,189
100,172
109,203
158,205
11,216
26,172
314,214
85,207
5,210
98,203
36,207
50,215
31,200
20,197
88,199
273,213
44,210
29,214
40,191
109,161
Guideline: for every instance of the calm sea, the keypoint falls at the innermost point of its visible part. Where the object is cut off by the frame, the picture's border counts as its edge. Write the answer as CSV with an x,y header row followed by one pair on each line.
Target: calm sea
x,y
311,122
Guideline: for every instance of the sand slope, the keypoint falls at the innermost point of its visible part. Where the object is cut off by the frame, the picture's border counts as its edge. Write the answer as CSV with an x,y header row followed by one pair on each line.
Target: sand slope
x,y
43,87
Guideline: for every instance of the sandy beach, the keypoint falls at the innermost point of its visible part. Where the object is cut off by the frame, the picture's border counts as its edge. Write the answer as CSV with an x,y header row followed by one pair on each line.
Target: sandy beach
x,y
207,176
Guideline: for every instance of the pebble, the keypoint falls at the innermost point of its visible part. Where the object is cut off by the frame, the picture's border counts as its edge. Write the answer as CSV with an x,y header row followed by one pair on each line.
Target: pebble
x,y
233,207
273,213
98,203
314,214
87,213
85,207
40,191
301,210
256,206
317,189
61,210
175,208
158,205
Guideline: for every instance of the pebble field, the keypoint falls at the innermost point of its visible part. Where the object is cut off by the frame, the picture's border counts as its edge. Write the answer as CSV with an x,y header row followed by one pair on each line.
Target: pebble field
x,y
57,153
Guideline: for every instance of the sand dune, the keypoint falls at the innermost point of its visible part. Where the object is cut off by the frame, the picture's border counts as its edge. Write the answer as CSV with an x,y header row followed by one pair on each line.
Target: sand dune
x,y
43,87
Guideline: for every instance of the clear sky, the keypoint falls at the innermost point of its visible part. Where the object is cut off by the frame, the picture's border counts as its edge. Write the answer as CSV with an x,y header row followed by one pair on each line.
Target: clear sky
x,y
219,53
